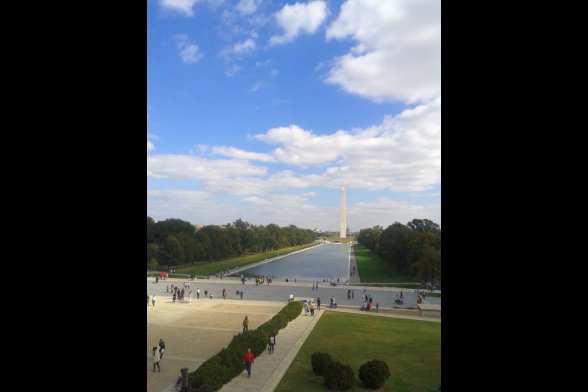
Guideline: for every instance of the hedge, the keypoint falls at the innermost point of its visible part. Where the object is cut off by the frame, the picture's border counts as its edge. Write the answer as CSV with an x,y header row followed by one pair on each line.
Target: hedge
x,y
227,364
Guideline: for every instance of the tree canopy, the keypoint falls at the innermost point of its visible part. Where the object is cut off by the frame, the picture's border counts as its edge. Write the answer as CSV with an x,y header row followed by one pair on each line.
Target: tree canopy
x,y
176,242
412,249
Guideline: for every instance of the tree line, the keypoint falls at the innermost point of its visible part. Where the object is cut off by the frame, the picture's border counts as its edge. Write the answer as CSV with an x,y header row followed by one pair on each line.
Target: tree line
x,y
176,242
411,249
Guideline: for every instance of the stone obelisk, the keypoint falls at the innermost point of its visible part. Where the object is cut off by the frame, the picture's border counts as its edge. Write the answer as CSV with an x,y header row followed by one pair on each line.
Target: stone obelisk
x,y
342,216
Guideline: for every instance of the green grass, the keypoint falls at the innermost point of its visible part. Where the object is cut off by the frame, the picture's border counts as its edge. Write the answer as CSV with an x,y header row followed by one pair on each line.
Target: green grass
x,y
373,269
411,348
216,266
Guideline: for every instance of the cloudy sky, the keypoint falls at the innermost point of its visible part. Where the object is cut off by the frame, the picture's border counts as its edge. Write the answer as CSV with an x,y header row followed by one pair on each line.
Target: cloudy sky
x,y
263,109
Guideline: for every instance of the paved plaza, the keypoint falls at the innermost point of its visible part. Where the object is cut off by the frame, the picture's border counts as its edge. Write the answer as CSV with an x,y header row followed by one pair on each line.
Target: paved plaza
x,y
195,331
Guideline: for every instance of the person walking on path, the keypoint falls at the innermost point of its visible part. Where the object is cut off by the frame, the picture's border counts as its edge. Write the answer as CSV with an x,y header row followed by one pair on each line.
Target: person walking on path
x,y
198,293
246,324
161,348
271,344
156,358
153,300
318,303
147,299
248,361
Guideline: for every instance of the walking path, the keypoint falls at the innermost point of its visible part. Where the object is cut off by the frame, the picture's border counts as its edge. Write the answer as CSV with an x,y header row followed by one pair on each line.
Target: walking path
x,y
268,370
353,279
195,331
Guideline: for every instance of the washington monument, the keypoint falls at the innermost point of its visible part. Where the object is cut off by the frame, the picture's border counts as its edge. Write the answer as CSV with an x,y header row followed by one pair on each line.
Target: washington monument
x,y
342,216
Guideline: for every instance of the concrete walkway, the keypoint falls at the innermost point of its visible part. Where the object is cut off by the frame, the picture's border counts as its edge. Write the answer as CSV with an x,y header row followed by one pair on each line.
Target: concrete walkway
x,y
195,331
268,370
353,279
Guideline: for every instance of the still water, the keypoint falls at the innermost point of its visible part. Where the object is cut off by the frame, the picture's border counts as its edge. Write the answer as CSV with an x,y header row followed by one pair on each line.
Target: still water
x,y
327,261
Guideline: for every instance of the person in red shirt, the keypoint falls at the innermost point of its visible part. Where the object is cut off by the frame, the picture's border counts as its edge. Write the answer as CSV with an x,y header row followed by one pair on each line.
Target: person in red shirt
x,y
248,361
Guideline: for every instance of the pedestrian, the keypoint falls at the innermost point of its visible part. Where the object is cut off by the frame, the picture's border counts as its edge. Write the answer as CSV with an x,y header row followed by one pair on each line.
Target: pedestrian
x,y
174,297
246,324
167,289
198,293
311,309
377,307
156,358
153,299
401,296
190,296
161,348
241,294
147,299
318,303
271,344
248,361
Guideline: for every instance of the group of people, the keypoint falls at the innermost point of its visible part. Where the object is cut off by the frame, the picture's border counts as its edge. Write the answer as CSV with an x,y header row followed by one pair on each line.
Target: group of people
x,y
153,299
308,308
248,357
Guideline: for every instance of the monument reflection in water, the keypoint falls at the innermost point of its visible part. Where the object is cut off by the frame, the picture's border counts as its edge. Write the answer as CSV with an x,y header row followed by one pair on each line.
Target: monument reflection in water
x,y
327,261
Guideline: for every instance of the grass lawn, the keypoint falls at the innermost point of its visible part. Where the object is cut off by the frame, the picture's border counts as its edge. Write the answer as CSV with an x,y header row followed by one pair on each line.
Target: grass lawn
x,y
372,269
411,348
217,266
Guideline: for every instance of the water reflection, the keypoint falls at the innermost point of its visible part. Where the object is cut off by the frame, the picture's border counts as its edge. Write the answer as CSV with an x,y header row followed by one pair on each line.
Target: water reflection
x,y
328,261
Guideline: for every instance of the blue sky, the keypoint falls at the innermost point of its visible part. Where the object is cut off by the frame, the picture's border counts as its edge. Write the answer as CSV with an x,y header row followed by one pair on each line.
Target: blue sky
x,y
262,110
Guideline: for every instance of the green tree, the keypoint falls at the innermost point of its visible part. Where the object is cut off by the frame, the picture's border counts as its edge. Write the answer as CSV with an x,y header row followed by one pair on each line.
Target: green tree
x,y
152,264
370,237
425,255
152,252
172,250
393,246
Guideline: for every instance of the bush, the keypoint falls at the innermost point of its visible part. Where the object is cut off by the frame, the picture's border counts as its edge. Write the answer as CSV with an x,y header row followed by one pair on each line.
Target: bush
x,y
338,376
319,362
207,376
227,364
374,373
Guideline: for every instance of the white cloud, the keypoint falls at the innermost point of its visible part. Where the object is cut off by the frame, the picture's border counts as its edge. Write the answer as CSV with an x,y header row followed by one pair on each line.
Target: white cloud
x,y
246,46
403,153
181,6
150,146
191,167
242,154
195,207
299,18
247,7
189,52
386,211
398,51
232,70
256,87
263,63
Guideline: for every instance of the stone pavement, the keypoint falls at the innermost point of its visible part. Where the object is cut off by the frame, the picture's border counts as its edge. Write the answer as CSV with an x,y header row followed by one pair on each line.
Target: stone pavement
x,y
268,370
195,331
